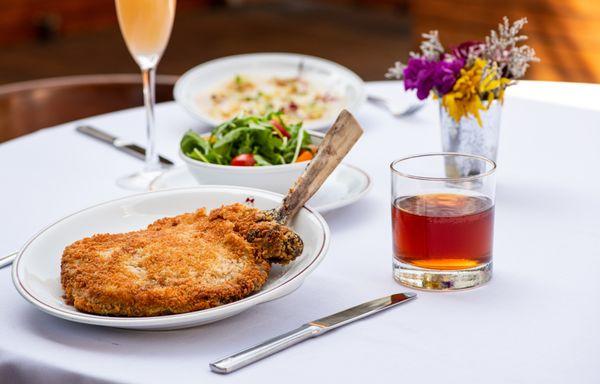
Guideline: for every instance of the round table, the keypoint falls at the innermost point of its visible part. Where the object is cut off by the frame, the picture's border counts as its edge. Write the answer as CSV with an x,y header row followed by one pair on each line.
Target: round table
x,y
536,321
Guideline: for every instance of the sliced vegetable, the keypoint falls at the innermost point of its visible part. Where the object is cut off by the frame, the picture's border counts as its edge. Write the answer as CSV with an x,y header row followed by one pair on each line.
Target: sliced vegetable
x,y
305,155
280,128
244,160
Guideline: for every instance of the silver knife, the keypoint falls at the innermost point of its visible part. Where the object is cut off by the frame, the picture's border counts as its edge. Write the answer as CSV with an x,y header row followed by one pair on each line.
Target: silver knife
x,y
307,331
130,148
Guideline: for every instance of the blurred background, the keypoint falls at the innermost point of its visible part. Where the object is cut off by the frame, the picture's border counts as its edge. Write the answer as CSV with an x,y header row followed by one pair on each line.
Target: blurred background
x,y
41,39
47,38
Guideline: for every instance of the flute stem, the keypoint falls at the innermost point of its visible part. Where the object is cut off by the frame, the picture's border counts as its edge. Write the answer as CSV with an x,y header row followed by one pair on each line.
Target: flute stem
x,y
149,79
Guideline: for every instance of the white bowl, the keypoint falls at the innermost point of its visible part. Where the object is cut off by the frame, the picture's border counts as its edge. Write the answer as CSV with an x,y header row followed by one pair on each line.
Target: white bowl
x,y
276,178
36,270
199,81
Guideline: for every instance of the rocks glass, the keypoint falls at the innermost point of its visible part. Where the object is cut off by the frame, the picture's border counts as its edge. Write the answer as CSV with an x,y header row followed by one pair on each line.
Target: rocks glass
x,y
442,221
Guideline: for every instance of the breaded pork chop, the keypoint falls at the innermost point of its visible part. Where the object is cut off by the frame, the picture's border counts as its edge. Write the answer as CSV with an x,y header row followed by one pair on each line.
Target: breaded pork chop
x,y
178,264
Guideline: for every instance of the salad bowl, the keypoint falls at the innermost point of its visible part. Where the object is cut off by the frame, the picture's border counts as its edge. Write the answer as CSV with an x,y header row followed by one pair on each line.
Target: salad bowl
x,y
277,178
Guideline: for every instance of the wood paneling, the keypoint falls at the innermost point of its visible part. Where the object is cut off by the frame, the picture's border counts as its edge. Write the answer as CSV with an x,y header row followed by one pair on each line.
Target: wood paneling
x,y
22,20
564,33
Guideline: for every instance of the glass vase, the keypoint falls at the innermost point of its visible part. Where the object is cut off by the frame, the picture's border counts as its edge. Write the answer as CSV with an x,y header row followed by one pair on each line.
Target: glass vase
x,y
467,136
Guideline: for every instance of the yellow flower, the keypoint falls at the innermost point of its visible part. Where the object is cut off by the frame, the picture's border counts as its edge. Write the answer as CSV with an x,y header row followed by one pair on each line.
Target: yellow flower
x,y
473,84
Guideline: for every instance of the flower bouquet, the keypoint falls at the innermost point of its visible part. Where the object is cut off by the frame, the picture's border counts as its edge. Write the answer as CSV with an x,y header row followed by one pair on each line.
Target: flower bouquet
x,y
469,81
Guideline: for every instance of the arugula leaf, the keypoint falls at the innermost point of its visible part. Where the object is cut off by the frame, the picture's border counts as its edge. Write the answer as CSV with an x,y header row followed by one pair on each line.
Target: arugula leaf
x,y
248,134
193,140
233,135
261,160
196,154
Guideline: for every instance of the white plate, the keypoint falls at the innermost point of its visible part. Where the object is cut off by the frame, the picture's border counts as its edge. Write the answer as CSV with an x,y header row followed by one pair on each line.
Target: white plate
x,y
346,185
36,270
201,79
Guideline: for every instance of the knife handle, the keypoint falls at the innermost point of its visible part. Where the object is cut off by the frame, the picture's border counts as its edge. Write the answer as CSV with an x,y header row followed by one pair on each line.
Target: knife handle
x,y
269,347
95,133
7,259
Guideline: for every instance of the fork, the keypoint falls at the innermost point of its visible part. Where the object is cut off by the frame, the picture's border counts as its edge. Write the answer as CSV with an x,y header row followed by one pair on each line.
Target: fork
x,y
394,109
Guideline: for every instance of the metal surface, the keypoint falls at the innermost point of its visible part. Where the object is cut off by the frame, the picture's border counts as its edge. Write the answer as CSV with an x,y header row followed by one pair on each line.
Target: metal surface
x,y
306,331
132,149
394,109
7,259
362,310
268,348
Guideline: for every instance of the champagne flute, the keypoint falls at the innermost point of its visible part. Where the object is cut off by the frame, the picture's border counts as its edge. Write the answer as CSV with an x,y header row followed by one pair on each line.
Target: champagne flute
x,y
146,27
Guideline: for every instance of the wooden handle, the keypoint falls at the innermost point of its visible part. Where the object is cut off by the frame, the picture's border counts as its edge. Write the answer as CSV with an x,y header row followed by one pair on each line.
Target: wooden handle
x,y
335,145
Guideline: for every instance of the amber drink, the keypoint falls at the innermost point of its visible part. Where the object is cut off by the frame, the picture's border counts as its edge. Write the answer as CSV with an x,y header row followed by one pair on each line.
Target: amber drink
x,y
442,227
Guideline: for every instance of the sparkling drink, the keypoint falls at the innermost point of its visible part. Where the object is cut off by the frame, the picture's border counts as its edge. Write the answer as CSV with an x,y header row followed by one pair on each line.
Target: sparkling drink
x,y
443,231
146,27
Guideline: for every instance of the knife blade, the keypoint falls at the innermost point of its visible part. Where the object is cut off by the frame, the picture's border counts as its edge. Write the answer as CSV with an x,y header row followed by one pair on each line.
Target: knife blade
x,y
307,331
130,148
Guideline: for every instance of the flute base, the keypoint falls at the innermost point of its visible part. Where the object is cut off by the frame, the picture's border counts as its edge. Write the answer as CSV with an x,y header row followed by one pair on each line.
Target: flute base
x,y
139,181
441,280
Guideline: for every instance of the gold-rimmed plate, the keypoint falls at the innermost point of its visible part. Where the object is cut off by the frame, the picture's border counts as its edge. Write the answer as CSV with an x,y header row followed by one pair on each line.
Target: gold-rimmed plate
x,y
36,270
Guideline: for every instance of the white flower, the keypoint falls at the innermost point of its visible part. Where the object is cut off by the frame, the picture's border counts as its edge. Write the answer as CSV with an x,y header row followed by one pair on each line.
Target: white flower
x,y
502,48
396,72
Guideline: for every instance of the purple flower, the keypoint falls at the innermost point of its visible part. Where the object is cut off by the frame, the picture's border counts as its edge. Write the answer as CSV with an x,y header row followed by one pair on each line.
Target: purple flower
x,y
446,73
418,75
424,75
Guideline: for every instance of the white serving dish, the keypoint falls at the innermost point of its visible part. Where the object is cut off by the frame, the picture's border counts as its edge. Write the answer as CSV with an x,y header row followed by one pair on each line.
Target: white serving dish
x,y
194,87
276,178
346,185
36,270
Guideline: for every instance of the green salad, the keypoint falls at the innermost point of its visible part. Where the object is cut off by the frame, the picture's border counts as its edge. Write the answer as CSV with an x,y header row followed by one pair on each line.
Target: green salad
x,y
251,141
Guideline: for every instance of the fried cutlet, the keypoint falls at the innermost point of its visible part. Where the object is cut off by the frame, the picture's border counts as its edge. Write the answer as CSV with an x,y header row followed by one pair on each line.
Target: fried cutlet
x,y
178,264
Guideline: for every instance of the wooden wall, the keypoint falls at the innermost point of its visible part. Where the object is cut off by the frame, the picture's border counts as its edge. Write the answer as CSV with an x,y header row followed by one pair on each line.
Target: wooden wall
x,y
26,20
564,33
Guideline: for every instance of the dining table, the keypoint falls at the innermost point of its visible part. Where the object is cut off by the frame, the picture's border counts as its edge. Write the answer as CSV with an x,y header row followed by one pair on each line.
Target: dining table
x,y
536,321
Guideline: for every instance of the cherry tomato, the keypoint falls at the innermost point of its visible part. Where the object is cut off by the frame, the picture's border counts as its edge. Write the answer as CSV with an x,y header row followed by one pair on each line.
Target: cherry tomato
x,y
243,160
280,128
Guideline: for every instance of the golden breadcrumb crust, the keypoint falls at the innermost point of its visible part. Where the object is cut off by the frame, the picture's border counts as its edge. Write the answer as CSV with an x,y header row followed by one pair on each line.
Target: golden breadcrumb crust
x,y
178,264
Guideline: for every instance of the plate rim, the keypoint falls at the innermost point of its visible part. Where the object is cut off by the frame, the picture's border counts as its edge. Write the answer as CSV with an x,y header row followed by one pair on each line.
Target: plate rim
x,y
339,204
181,319
319,208
180,99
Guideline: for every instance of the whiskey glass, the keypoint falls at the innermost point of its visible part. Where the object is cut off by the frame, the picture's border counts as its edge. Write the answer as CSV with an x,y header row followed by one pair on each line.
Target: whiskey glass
x,y
443,220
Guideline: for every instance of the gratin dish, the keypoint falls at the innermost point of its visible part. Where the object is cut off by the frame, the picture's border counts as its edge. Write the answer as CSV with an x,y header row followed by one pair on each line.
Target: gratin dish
x,y
193,88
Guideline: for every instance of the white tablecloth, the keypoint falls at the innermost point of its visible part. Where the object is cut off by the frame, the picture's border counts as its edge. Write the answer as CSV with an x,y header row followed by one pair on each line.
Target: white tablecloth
x,y
537,321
